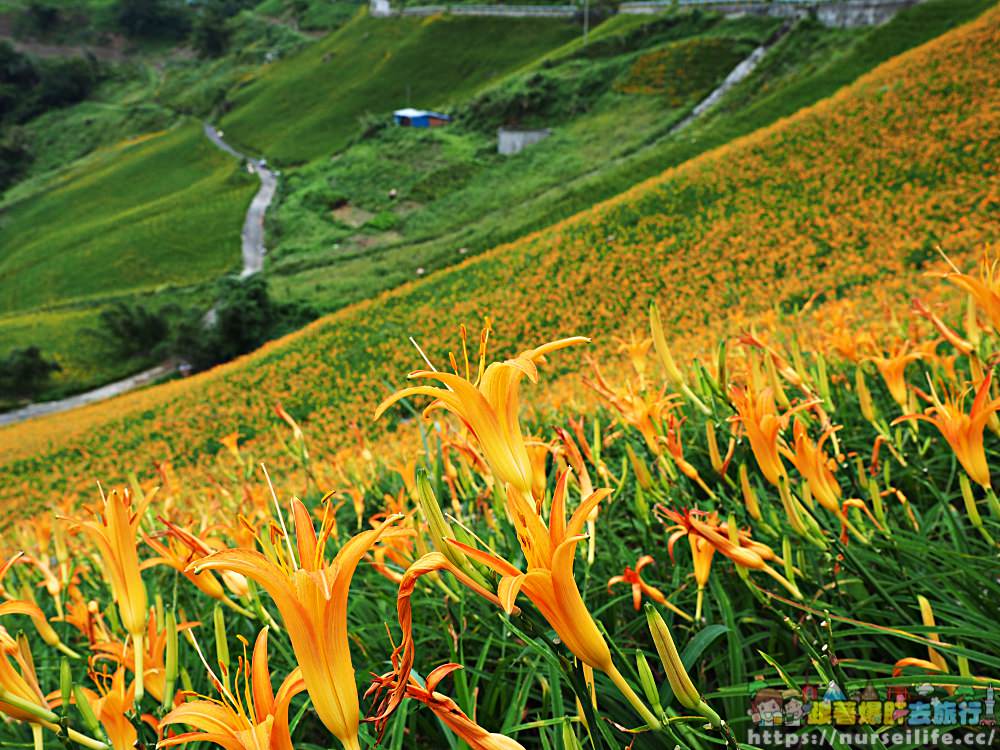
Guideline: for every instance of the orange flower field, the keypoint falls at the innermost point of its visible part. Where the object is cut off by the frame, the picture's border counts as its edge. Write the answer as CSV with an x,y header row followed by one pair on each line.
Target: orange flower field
x,y
736,234
711,458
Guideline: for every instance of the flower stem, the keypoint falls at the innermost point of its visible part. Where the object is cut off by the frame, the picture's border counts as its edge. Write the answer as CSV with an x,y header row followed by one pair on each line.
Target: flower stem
x,y
140,655
622,684
82,739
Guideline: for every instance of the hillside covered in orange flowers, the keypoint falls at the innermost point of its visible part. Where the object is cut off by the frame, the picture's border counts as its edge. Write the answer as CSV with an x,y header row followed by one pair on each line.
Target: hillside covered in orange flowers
x,y
848,196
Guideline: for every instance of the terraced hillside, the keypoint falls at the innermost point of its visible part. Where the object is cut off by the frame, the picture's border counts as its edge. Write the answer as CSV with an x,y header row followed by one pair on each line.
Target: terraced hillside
x,y
856,190
156,212
310,105
130,218
400,203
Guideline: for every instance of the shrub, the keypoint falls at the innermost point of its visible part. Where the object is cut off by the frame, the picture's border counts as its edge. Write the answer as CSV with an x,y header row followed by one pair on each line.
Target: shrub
x,y
133,330
25,372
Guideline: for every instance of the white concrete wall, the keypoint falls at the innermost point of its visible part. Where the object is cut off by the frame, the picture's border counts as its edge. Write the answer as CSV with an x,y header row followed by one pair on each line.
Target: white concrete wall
x,y
512,141
508,11
836,13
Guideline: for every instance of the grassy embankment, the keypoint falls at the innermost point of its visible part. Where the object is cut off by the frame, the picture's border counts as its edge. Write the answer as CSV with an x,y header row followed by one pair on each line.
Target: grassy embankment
x,y
839,199
457,197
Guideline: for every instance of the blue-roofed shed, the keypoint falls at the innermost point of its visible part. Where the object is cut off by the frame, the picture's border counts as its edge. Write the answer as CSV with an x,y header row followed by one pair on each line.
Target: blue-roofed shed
x,y
420,118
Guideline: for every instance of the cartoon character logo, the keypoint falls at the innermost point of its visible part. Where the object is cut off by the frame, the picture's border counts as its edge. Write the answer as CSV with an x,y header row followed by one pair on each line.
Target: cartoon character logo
x,y
795,709
767,708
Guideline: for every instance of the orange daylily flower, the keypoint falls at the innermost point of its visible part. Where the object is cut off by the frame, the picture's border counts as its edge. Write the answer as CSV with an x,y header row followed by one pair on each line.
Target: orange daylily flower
x,y
676,450
549,584
311,595
443,707
964,431
489,408
173,553
706,536
199,547
110,704
231,443
115,532
758,414
640,588
985,289
21,682
892,368
153,661
640,410
813,464
249,716
637,350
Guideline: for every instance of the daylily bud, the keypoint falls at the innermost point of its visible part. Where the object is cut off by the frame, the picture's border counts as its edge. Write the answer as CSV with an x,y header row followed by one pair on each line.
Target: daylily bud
x,y
864,395
876,498
87,712
662,349
170,660
713,446
221,644
647,681
439,529
775,382
749,496
733,532
642,475
569,738
680,681
927,615
65,683
823,382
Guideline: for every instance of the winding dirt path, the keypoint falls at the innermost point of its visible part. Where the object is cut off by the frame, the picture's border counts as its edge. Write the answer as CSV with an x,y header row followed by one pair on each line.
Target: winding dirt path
x,y
252,240
82,399
253,225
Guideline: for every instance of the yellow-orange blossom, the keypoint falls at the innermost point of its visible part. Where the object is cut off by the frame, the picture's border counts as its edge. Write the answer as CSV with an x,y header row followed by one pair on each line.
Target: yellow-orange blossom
x,y
311,595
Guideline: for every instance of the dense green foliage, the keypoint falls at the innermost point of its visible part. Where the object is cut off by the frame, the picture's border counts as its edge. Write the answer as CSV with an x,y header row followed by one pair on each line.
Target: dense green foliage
x,y
24,373
300,109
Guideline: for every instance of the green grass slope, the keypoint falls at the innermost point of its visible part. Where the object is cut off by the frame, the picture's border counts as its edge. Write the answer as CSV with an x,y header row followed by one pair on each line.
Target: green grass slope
x,y
309,105
841,197
611,129
165,209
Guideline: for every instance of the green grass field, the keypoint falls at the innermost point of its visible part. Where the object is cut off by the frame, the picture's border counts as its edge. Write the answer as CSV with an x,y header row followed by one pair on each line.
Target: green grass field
x,y
309,105
165,209
162,214
456,193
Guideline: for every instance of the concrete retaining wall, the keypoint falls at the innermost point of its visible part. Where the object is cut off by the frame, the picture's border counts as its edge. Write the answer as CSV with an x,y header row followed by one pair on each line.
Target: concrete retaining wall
x,y
836,13
513,141
507,11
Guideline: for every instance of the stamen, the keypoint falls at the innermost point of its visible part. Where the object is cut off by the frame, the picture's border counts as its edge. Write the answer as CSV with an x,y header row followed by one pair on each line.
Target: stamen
x,y
281,518
424,356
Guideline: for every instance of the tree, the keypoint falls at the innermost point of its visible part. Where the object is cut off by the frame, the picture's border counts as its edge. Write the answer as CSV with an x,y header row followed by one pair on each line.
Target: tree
x,y
25,372
152,18
133,330
15,157
210,35
244,317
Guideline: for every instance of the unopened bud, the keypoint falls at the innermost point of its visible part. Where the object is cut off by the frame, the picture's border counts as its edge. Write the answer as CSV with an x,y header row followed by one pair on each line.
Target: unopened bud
x,y
864,395
677,675
749,496
647,682
170,660
221,644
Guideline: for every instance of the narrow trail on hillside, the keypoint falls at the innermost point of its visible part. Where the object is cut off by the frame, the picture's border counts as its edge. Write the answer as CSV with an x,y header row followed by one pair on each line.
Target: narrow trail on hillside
x,y
253,225
253,251
90,397
738,74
